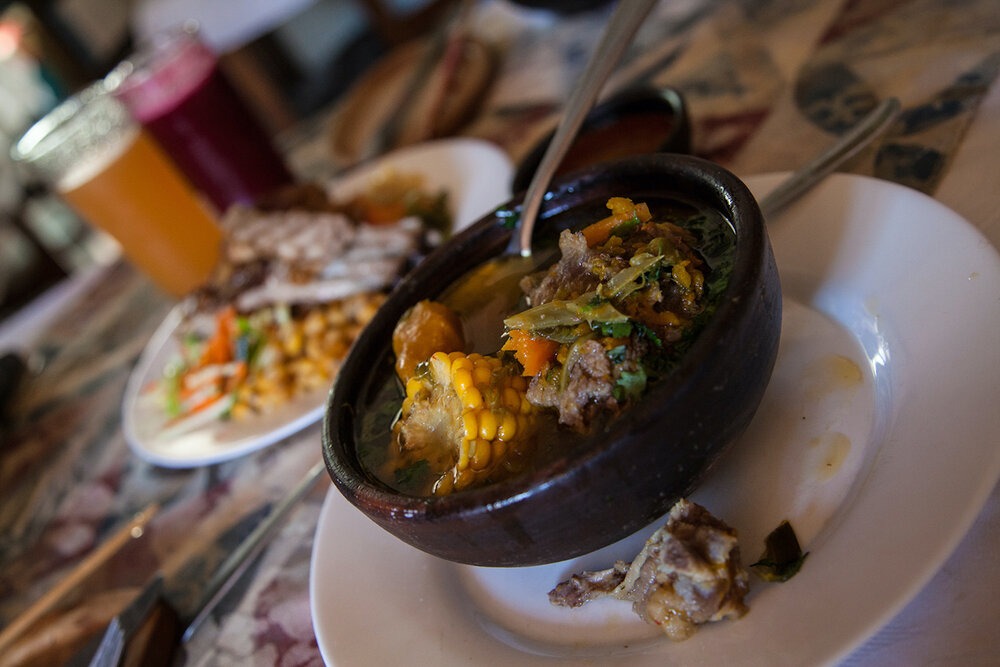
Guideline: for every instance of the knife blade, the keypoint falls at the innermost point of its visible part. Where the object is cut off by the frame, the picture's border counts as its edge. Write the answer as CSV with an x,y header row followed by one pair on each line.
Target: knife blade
x,y
13,370
147,617
151,629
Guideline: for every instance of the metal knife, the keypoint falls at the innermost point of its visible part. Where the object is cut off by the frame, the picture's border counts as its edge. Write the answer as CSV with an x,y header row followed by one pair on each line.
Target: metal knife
x,y
151,630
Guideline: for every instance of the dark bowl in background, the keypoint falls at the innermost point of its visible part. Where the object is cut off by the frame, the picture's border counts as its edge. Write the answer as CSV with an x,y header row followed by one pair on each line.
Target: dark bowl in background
x,y
636,121
624,476
563,6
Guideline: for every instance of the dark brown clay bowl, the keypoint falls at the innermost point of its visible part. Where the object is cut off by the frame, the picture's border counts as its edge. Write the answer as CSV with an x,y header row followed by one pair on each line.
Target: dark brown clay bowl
x,y
619,479
635,121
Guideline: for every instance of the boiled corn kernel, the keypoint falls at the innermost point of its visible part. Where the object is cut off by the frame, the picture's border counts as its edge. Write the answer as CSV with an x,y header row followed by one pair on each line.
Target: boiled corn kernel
x,y
462,379
479,454
414,385
472,398
499,450
511,399
507,428
487,425
463,455
470,425
482,373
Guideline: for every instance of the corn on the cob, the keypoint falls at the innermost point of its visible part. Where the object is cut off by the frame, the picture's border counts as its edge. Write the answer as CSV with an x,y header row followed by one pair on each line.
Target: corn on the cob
x,y
467,416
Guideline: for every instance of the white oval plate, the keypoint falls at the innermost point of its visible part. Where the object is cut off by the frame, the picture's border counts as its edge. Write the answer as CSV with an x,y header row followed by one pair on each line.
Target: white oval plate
x,y
876,439
475,174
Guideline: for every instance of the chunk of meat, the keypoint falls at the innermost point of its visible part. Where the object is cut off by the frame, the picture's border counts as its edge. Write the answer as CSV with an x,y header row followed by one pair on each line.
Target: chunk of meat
x,y
588,390
581,588
570,277
295,236
687,574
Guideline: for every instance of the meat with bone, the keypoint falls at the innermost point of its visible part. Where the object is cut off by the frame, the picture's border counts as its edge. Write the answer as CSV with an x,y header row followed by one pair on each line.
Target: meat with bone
x,y
688,573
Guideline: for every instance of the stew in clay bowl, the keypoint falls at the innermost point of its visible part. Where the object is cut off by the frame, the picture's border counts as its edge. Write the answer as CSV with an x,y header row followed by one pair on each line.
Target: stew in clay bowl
x,y
501,411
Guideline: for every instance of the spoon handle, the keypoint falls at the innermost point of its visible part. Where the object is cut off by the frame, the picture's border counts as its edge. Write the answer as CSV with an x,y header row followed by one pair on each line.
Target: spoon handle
x,y
624,23
796,185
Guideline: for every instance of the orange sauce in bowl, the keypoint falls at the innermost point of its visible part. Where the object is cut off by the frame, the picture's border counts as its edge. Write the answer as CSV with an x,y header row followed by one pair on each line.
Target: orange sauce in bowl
x,y
625,135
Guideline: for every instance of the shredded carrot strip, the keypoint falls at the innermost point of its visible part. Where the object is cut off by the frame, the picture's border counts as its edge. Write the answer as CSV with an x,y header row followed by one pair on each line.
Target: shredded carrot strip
x,y
219,348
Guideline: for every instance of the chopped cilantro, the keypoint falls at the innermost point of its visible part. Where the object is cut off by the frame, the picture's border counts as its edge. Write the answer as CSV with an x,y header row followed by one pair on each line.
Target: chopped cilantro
x,y
614,329
630,384
626,227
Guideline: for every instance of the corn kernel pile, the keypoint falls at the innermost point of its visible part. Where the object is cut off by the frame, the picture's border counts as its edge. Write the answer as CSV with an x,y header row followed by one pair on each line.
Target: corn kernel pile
x,y
302,354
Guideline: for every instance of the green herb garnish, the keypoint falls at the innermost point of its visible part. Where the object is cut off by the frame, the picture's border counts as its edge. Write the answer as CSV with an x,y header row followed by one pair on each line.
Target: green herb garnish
x,y
630,385
413,476
783,557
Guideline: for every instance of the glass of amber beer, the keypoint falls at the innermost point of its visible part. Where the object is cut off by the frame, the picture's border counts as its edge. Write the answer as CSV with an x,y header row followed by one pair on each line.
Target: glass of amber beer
x,y
92,153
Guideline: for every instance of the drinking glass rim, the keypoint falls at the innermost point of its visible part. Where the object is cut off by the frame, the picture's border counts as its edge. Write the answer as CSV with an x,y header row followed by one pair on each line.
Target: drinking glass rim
x,y
46,134
139,67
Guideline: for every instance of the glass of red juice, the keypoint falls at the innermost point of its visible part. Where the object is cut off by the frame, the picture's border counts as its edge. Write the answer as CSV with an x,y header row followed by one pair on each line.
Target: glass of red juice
x,y
173,86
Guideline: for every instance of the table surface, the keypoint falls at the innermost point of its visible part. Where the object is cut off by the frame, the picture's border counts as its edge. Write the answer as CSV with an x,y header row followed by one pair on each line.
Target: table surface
x,y
768,84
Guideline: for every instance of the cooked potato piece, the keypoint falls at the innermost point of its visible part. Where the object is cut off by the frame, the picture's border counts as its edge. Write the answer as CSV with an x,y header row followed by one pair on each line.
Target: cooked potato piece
x,y
426,328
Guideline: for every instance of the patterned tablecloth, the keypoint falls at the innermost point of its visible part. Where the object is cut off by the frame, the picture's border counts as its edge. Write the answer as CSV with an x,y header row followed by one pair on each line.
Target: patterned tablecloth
x,y
768,84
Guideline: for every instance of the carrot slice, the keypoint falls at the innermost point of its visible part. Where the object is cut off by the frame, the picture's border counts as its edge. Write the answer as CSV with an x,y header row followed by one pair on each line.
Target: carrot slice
x,y
382,212
534,352
624,214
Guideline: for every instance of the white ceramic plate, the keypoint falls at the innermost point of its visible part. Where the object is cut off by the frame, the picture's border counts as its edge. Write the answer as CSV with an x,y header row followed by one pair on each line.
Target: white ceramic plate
x,y
876,439
477,171
477,176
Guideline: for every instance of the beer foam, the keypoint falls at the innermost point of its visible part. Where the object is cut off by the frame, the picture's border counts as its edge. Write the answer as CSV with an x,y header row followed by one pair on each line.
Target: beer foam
x,y
98,157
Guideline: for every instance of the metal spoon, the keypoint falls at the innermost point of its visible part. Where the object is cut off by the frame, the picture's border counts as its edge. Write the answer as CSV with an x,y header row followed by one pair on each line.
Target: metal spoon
x,y
849,145
624,23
